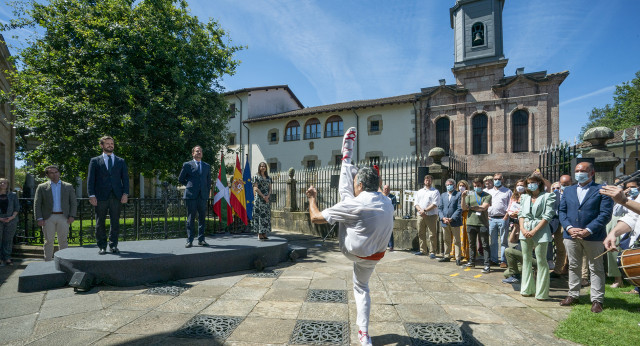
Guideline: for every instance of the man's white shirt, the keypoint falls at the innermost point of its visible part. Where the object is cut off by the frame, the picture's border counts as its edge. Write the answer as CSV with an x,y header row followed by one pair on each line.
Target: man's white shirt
x,y
499,201
426,197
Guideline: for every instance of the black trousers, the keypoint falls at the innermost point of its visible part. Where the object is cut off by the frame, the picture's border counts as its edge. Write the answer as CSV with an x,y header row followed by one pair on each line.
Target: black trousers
x,y
199,206
483,233
112,207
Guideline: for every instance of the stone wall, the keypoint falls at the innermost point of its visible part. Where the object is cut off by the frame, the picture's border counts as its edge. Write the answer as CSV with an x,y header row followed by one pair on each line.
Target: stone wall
x,y
404,231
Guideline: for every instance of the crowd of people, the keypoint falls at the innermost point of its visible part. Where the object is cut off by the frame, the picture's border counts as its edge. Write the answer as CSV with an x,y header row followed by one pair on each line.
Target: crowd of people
x,y
518,229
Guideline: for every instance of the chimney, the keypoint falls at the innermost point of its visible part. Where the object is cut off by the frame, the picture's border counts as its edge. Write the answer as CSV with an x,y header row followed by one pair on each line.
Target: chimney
x,y
519,71
443,82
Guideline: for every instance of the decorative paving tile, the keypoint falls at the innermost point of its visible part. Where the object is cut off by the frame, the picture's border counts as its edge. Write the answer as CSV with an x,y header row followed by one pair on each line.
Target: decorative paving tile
x,y
327,296
320,333
427,334
206,326
168,289
266,274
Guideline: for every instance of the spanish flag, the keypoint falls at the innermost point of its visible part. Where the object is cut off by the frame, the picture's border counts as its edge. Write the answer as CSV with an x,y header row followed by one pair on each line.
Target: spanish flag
x,y
238,201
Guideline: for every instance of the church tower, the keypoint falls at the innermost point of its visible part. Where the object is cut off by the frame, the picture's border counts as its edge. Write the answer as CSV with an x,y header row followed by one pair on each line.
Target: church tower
x,y
477,26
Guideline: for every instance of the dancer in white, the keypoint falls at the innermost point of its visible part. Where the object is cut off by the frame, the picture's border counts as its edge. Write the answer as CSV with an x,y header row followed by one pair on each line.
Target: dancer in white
x,y
365,225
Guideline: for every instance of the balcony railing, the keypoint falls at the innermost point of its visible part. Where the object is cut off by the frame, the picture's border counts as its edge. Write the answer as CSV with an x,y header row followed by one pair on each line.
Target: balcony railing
x,y
288,138
336,133
312,135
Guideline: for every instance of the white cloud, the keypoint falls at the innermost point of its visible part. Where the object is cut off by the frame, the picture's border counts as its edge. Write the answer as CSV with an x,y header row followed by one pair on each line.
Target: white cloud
x,y
608,89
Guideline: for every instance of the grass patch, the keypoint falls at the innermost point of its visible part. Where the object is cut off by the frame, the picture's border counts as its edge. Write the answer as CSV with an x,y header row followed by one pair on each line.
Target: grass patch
x,y
617,324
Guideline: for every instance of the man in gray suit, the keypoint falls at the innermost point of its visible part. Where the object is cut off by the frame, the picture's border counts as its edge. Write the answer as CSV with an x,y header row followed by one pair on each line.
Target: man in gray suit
x,y
55,208
196,177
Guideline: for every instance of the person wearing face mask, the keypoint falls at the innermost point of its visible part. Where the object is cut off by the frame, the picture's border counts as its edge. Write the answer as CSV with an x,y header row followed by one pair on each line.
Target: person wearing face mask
x,y
560,266
536,213
426,204
584,214
498,220
449,213
477,202
619,211
464,237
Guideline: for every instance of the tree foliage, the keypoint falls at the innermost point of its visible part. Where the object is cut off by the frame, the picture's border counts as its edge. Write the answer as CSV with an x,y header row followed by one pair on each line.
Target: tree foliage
x,y
145,72
625,111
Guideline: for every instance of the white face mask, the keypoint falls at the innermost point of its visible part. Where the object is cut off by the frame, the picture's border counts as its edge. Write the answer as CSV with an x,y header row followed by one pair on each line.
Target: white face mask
x,y
520,189
462,189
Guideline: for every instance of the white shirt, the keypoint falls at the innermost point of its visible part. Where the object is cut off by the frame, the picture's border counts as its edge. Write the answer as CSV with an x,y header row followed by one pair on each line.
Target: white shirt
x,y
366,222
499,201
633,220
426,197
582,191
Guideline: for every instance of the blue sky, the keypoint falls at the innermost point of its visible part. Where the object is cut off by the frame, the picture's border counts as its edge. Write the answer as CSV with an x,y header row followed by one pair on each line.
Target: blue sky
x,y
331,51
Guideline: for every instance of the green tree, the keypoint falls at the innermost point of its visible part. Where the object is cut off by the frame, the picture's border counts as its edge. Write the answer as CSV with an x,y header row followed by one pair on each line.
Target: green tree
x,y
625,111
145,72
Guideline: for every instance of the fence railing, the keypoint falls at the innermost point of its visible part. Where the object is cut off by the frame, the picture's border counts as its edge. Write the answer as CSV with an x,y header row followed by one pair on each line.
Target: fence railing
x,y
147,218
555,161
401,174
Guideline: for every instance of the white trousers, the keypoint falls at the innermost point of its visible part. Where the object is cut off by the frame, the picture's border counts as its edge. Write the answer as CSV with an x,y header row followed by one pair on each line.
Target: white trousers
x,y
362,270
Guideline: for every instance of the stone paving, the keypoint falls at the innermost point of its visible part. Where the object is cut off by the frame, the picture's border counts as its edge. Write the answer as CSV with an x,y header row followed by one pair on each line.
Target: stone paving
x,y
254,310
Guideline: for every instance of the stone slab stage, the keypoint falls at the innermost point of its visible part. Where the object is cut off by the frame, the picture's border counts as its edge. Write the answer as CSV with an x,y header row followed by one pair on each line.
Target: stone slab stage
x,y
148,261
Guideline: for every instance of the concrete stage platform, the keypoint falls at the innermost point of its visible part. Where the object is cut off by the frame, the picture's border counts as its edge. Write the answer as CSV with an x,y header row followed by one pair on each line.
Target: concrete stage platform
x,y
148,261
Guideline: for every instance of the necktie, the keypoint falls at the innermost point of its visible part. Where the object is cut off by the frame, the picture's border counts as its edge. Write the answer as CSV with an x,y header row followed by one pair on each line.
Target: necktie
x,y
109,164
199,170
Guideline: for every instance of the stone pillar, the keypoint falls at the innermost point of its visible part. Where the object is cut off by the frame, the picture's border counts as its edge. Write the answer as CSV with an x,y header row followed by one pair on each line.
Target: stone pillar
x,y
291,204
437,170
605,160
141,179
79,187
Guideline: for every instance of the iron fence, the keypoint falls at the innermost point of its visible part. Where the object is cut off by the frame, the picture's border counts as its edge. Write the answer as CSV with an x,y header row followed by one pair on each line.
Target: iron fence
x,y
401,174
140,218
555,161
630,164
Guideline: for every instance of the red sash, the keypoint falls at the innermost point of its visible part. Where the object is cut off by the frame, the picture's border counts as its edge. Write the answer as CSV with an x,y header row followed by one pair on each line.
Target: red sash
x,y
375,257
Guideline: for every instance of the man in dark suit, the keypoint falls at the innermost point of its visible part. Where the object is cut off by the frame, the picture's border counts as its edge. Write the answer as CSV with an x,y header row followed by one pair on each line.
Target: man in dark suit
x,y
196,177
108,187
450,215
55,207
584,214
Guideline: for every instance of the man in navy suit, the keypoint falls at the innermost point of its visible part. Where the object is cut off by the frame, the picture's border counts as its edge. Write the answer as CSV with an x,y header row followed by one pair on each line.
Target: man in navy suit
x,y
196,177
108,187
584,214
450,215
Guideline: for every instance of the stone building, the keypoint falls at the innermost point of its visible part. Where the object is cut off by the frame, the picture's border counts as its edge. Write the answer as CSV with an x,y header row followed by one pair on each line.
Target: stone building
x,y
7,131
498,122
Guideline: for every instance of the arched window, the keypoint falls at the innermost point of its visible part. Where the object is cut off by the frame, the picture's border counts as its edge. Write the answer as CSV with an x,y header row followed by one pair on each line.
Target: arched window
x,y
312,129
520,131
477,34
333,128
292,131
479,124
442,134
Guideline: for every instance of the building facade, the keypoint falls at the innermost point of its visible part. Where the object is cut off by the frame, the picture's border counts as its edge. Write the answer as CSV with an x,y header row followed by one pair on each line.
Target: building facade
x,y
498,122
7,131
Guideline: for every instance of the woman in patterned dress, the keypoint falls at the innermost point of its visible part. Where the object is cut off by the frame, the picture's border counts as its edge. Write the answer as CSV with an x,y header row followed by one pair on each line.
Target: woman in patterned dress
x,y
262,212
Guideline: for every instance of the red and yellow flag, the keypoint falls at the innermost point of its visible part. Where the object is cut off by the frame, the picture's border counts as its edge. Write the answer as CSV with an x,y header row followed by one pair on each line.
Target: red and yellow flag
x,y
238,201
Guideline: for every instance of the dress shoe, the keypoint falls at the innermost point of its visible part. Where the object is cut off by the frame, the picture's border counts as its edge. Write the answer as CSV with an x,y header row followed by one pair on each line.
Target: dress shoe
x,y
568,301
470,265
203,243
432,256
114,250
458,263
445,259
503,265
596,307
585,282
102,251
188,244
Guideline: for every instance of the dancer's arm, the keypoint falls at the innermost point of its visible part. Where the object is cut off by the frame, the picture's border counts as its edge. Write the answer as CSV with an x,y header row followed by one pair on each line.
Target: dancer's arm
x,y
314,212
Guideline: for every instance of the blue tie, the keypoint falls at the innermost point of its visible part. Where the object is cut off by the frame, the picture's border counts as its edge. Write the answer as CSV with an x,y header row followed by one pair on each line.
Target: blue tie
x,y
198,162
109,165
